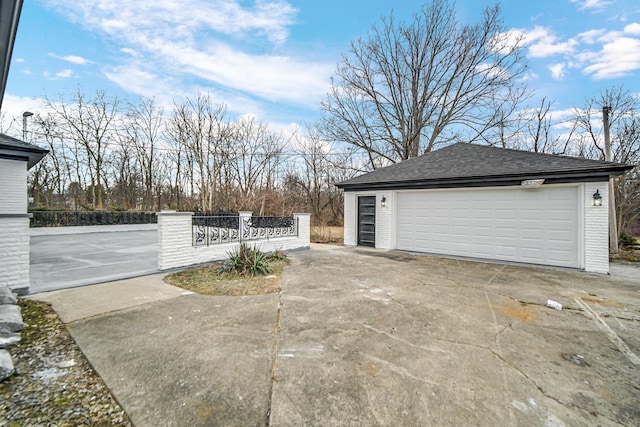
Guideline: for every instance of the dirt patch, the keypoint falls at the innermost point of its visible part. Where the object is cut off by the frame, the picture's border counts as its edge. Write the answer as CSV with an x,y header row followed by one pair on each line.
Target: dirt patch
x,y
601,301
520,312
208,281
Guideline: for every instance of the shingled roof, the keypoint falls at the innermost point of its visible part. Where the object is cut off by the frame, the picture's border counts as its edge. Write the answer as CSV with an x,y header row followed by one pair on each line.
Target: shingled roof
x,y
14,149
470,165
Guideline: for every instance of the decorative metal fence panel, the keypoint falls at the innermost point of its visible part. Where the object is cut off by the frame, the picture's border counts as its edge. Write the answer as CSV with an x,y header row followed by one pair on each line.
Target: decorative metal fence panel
x,y
84,218
211,230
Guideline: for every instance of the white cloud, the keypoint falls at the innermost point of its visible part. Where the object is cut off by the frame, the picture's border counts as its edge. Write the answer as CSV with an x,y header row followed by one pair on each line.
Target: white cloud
x,y
542,43
226,42
599,53
166,90
19,60
591,36
596,5
72,58
617,58
529,76
64,74
557,71
632,29
616,53
129,51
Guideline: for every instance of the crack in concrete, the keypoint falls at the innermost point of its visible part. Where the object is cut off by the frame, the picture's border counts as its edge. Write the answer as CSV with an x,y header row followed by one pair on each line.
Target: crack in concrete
x,y
488,349
274,355
402,340
495,338
611,335
403,372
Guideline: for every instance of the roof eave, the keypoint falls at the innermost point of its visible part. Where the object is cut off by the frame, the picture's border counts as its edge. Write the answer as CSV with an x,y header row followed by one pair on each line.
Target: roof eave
x,y
31,156
560,177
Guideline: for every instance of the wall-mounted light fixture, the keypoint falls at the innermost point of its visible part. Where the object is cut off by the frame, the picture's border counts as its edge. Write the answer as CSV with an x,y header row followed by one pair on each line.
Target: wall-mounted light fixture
x,y
597,198
383,201
532,183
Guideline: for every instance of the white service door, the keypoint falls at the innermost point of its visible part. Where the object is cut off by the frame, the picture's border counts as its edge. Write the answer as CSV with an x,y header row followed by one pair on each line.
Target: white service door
x,y
537,226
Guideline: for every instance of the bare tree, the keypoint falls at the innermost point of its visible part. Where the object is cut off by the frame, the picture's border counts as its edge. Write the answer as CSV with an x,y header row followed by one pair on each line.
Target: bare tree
x,y
198,129
408,87
89,123
624,124
253,158
143,130
50,176
533,129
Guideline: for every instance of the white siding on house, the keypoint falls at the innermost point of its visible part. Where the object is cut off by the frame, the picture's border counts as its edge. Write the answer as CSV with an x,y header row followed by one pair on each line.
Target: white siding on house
x,y
596,228
13,187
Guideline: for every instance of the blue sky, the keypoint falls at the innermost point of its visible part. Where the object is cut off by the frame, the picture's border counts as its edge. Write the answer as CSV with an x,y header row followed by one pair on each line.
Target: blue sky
x,y
274,58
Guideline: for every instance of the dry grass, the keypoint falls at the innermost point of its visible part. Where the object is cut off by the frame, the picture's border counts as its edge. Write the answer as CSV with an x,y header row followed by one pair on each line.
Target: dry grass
x,y
327,234
627,255
207,281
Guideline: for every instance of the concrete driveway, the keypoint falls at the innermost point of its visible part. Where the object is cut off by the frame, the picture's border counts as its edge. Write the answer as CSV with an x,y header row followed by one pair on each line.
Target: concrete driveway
x,y
365,337
67,257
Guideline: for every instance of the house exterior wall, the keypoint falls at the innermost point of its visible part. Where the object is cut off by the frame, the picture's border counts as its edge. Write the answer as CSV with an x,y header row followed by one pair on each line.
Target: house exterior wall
x,y
14,223
596,228
385,224
175,248
593,237
350,219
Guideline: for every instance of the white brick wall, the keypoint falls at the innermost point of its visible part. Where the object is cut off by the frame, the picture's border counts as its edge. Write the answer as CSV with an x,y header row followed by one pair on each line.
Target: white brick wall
x,y
175,247
596,229
384,218
14,253
13,187
14,225
350,219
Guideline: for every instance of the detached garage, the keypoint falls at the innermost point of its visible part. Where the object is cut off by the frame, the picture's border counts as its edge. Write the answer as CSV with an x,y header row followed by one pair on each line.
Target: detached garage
x,y
487,203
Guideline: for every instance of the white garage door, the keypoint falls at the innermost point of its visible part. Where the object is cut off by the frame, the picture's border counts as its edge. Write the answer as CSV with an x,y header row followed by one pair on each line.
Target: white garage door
x,y
538,226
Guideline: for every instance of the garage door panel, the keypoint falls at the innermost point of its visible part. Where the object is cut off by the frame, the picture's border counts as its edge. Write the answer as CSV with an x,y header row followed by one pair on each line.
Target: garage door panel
x,y
534,226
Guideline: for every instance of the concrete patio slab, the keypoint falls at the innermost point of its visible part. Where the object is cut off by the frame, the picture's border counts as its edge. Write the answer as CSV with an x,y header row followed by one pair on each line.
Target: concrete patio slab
x,y
190,361
366,337
90,301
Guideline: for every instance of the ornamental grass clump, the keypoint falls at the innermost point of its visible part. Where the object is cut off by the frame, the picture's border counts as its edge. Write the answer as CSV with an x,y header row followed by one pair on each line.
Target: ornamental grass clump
x,y
246,260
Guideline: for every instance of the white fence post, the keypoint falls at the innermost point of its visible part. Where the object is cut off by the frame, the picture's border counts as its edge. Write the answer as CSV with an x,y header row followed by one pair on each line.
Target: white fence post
x,y
304,228
243,215
175,239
